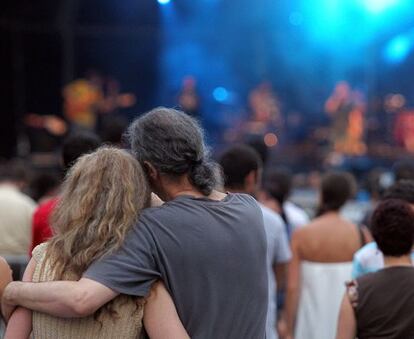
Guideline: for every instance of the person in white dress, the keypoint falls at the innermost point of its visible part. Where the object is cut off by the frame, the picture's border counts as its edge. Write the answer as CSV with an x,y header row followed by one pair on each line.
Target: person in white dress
x,y
321,263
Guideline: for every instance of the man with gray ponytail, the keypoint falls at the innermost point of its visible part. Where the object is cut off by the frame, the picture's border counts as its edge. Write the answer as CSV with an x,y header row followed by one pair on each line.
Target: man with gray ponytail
x,y
170,145
209,248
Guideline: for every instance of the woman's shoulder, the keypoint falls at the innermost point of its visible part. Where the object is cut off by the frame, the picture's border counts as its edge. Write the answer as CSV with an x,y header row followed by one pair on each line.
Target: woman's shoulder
x,y
39,252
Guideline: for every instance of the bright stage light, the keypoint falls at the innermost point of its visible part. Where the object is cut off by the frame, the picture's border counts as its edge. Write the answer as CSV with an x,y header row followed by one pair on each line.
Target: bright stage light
x,y
398,48
296,18
270,139
220,94
377,6
163,2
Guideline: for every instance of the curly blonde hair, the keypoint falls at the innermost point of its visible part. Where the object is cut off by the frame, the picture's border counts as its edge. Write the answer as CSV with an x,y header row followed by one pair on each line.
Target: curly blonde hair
x,y
102,197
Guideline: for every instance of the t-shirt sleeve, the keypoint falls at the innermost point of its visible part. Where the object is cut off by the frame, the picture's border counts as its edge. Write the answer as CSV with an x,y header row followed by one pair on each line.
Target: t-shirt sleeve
x,y
132,269
283,253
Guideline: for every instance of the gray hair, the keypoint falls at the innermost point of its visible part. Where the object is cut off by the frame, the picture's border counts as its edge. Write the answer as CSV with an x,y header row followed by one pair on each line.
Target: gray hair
x,y
173,143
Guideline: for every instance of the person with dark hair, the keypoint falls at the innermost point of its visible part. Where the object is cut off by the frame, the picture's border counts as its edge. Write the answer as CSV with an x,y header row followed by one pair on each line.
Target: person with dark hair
x,y
16,210
74,146
336,189
258,144
381,304
321,262
369,258
404,170
44,185
113,131
77,144
378,181
209,248
276,190
242,168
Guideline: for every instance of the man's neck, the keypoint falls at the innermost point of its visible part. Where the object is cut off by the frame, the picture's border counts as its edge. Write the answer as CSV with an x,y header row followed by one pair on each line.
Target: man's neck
x,y
171,189
404,260
182,186
238,190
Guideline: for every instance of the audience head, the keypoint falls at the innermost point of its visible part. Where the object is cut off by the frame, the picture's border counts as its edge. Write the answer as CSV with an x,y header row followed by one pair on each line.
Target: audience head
x,y
113,131
44,185
78,144
102,195
401,190
393,227
260,147
377,183
336,189
404,170
170,146
277,184
241,166
15,172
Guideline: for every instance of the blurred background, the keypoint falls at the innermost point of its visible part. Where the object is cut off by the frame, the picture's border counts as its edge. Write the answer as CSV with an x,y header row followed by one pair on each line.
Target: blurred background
x,y
311,84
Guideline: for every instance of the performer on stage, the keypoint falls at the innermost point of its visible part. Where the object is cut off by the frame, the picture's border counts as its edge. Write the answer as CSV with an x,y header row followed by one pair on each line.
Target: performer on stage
x,y
265,105
81,99
264,124
84,99
346,109
188,98
404,130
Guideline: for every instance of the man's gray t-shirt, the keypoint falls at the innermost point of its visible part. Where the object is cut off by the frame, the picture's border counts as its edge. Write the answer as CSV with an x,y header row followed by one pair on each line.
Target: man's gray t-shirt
x,y
211,256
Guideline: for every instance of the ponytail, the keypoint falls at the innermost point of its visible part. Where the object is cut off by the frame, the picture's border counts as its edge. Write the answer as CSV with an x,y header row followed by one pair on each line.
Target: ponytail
x,y
202,175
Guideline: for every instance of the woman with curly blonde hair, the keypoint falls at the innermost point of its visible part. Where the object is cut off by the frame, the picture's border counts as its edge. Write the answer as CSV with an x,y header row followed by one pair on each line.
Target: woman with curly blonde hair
x,y
102,197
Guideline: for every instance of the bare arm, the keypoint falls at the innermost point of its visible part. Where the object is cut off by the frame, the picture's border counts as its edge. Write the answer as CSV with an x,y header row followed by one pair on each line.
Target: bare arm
x,y
347,322
293,285
161,320
5,277
20,323
66,299
280,271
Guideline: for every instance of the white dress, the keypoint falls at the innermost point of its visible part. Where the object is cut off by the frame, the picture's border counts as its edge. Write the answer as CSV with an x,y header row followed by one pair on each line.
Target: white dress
x,y
323,286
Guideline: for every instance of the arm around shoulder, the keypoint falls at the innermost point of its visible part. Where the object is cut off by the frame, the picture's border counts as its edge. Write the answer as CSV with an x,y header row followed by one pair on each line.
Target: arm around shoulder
x,y
20,323
67,299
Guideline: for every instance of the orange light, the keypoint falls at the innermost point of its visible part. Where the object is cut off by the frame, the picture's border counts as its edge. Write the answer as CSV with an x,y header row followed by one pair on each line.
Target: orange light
x,y
270,140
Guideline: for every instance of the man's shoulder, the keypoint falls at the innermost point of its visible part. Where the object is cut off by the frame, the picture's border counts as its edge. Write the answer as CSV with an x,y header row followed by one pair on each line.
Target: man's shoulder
x,y
297,213
272,221
270,217
178,209
26,201
15,197
182,203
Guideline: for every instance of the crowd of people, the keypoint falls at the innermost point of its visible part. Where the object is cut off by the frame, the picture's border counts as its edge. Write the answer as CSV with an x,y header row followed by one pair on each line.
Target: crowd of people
x,y
160,240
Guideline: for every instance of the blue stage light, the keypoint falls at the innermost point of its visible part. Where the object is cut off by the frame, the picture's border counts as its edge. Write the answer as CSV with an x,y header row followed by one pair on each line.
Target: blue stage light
x,y
296,18
220,94
377,6
398,48
163,2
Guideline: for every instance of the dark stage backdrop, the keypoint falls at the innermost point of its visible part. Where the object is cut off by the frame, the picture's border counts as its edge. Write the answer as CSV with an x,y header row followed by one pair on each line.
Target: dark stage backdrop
x,y
47,43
